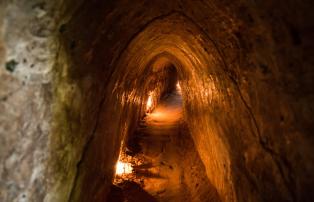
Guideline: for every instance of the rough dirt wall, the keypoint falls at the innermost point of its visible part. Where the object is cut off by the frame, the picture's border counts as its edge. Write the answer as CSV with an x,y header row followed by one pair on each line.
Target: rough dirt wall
x,y
27,57
247,75
32,100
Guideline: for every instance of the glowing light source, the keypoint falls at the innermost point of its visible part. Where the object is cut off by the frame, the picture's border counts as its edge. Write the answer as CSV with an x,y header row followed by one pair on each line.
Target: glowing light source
x,y
178,87
149,103
123,168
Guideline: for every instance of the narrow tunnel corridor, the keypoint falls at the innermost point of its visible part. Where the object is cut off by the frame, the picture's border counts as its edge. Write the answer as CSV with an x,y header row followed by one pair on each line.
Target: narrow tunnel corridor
x,y
163,158
156,100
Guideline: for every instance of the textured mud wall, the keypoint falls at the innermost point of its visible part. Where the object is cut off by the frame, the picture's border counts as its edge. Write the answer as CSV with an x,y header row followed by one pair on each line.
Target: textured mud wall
x,y
27,57
73,85
194,175
35,161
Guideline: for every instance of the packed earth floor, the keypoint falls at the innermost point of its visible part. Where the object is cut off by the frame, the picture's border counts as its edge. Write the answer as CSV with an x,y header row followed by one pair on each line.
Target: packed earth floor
x,y
161,166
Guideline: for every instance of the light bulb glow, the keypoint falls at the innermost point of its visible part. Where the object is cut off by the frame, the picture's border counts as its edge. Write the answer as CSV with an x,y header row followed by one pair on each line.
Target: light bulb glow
x,y
123,168
178,87
149,103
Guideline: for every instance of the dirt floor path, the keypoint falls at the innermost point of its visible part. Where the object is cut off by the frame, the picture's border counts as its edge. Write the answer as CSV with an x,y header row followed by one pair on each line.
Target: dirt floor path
x,y
166,165
159,143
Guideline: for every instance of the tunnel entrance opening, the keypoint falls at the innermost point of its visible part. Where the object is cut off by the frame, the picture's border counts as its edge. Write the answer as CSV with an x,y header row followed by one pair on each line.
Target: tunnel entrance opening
x,y
158,161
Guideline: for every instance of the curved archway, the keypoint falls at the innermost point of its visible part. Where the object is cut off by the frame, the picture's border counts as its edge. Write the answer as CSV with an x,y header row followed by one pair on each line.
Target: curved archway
x,y
171,37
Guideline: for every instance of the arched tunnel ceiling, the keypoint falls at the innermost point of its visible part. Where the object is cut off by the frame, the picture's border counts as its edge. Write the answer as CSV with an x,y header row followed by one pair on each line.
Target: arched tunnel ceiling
x,y
245,69
199,70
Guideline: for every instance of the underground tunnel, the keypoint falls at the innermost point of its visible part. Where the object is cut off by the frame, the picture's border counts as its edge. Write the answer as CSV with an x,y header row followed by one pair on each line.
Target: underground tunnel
x,y
146,100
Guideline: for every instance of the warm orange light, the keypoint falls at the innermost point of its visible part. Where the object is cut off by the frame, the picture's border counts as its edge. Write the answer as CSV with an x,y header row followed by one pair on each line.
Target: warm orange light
x,y
149,103
123,168
178,87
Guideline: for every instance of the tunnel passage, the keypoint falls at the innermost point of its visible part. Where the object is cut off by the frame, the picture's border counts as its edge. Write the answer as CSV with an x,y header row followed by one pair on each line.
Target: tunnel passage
x,y
76,77
198,89
223,88
160,157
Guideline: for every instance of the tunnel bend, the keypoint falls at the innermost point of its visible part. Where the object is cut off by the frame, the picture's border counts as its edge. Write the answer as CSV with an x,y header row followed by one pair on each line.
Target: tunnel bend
x,y
171,38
